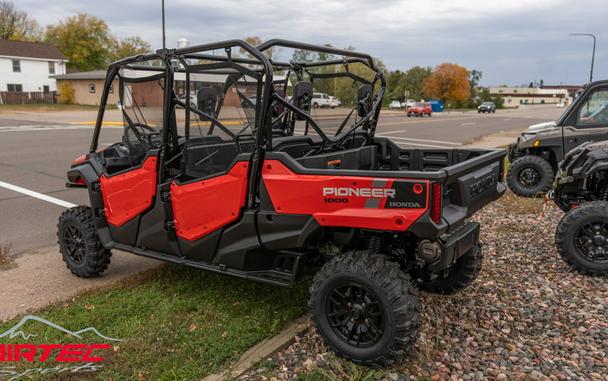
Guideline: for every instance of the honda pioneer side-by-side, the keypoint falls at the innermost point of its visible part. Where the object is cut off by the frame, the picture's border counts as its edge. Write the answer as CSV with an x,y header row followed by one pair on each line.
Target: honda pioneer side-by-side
x,y
224,165
535,156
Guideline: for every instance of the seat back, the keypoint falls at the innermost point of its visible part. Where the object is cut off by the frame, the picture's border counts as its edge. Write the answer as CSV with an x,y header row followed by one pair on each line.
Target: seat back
x,y
302,97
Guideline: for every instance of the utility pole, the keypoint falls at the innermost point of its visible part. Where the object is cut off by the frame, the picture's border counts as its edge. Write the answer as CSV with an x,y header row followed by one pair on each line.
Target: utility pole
x,y
163,13
593,52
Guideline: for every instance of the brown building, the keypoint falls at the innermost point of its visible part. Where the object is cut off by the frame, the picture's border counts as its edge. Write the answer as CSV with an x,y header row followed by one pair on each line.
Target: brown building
x,y
88,86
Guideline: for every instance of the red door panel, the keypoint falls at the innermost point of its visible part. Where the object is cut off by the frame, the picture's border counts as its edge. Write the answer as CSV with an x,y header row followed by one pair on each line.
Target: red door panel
x,y
130,193
346,201
204,206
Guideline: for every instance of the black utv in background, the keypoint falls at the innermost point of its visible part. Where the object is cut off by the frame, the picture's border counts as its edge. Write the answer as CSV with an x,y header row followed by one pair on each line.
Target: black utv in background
x,y
582,192
539,149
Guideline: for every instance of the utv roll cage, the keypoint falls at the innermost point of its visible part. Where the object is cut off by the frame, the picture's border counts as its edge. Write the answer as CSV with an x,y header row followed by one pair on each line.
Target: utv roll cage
x,y
271,108
368,105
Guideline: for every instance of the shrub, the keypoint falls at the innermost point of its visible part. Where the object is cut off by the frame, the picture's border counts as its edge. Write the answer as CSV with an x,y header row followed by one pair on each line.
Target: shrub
x,y
66,95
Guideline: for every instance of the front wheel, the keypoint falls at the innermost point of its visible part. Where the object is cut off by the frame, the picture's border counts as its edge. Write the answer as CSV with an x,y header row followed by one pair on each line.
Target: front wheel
x,y
79,245
458,277
365,307
582,238
530,175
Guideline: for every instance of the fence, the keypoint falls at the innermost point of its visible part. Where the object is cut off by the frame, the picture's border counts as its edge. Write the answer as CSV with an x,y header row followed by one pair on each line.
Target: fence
x,y
27,97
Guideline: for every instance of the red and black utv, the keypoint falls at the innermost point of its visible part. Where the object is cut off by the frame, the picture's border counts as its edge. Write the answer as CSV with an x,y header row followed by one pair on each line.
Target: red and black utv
x,y
223,166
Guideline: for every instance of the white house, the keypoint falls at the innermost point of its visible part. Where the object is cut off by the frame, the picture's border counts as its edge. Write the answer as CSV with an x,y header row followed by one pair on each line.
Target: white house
x,y
29,66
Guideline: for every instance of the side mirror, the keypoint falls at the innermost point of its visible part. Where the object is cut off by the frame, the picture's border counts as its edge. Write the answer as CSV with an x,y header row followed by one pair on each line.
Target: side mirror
x,y
206,100
364,100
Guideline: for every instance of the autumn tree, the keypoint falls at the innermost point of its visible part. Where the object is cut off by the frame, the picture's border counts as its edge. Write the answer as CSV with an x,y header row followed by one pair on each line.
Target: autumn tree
x,y
448,82
16,24
84,39
129,46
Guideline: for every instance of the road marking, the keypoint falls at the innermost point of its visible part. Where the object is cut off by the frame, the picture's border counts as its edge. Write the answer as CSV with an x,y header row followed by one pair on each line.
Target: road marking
x,y
416,140
468,124
39,196
507,119
422,145
47,127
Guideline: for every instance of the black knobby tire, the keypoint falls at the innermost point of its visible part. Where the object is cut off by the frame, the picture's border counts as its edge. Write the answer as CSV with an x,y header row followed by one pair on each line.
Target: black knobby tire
x,y
459,276
79,245
530,175
582,238
387,315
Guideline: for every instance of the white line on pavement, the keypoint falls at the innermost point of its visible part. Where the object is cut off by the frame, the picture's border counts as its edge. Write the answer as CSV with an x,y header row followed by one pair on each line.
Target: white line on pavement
x,y
46,127
408,143
416,140
468,124
39,196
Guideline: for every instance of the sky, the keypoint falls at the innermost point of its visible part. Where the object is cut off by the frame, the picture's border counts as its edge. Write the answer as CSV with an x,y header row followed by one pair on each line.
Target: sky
x,y
511,42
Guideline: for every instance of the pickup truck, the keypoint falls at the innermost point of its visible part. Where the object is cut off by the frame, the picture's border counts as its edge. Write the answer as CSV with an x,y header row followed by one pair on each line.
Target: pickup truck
x,y
420,109
261,201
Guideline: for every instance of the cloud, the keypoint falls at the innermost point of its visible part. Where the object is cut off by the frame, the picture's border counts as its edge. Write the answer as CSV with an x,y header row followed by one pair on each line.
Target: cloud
x,y
513,41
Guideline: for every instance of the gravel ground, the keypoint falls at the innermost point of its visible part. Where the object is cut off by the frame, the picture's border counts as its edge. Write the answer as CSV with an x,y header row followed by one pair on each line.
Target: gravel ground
x,y
527,317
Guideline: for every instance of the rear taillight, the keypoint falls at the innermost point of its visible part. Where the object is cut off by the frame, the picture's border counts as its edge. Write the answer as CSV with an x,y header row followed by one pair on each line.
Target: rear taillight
x,y
436,199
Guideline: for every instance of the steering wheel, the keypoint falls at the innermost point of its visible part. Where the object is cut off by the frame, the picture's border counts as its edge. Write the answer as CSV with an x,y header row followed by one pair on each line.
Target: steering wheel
x,y
143,133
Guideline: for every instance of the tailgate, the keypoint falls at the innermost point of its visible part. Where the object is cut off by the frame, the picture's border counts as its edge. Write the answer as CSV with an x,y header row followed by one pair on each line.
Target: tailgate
x,y
476,182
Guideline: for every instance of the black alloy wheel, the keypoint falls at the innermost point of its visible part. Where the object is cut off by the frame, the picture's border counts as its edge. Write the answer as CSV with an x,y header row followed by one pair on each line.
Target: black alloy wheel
x,y
73,243
354,314
591,240
529,177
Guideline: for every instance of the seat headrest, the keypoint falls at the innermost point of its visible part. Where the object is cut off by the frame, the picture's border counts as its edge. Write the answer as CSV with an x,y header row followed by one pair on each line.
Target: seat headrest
x,y
364,99
302,96
206,99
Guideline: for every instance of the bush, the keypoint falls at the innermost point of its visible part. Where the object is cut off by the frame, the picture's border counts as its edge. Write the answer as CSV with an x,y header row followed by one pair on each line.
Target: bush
x,y
66,93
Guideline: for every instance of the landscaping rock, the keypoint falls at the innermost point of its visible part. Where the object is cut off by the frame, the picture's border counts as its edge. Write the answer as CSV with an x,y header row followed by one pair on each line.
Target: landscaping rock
x,y
527,317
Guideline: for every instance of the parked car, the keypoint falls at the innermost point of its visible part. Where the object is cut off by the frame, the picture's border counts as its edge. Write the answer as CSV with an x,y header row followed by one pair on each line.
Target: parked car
x,y
486,107
321,100
535,155
420,109
372,220
394,105
334,102
408,103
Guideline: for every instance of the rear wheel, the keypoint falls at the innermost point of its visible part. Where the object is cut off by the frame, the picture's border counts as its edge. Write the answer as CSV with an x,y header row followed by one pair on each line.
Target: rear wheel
x,y
530,175
459,276
79,245
582,238
366,308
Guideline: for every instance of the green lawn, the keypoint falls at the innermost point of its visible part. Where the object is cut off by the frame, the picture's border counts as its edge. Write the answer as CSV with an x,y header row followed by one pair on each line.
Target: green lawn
x,y
178,323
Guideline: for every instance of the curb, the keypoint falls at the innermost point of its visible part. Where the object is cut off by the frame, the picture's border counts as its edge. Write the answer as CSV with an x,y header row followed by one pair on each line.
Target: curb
x,y
263,349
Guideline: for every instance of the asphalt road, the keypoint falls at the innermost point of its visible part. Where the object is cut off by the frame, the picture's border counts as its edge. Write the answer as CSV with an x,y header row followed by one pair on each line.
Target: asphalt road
x,y
35,151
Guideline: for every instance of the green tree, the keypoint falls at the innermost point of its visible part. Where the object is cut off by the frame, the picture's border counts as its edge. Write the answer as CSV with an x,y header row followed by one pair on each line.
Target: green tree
x,y
474,78
16,24
414,81
129,46
84,39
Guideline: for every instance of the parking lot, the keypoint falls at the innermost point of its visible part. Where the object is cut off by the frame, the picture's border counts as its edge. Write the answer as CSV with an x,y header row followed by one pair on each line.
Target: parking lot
x,y
36,149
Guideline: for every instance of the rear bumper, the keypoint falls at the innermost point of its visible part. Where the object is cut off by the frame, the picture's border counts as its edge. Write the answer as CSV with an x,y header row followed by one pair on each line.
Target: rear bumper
x,y
456,244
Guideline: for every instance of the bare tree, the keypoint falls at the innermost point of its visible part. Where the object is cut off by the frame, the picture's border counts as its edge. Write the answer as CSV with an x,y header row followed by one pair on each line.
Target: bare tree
x,y
16,24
